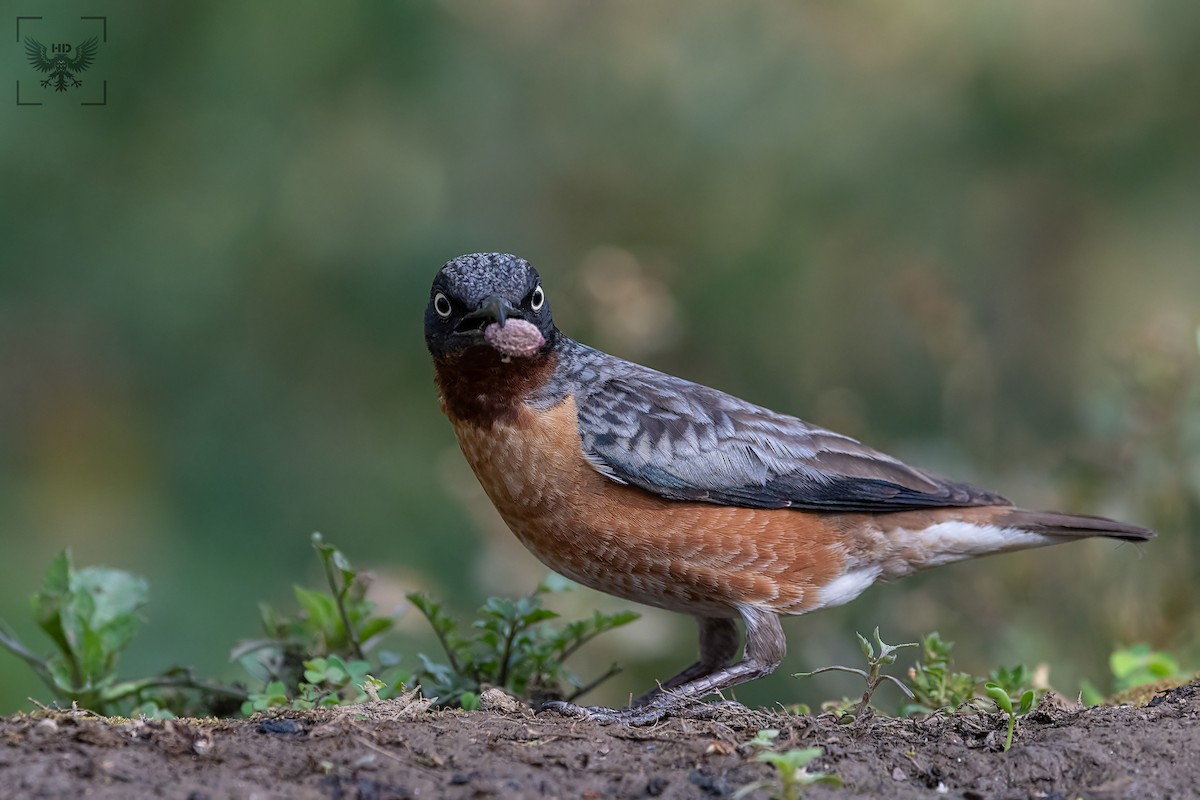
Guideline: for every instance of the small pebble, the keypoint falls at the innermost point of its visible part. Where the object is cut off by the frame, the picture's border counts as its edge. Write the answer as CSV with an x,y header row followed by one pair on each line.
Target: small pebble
x,y
288,727
42,729
493,699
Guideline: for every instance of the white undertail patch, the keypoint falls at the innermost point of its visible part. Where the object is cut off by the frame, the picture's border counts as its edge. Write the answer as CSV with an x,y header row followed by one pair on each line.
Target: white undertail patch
x,y
846,587
947,542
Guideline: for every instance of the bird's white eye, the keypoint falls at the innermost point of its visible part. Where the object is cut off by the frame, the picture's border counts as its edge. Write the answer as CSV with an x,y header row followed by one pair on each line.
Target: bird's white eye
x,y
537,299
441,304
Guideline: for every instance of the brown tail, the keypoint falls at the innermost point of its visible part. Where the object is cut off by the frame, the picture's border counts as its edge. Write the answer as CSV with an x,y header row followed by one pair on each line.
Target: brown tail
x,y
1056,523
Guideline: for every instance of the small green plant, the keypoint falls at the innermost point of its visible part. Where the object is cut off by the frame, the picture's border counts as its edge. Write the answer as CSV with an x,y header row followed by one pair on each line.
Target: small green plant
x,y
325,654
878,655
1134,668
791,768
1138,665
934,682
763,740
1013,706
1014,680
321,657
327,682
91,615
510,646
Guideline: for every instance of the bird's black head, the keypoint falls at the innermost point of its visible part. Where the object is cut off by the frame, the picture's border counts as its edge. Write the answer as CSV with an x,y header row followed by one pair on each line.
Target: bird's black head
x,y
488,299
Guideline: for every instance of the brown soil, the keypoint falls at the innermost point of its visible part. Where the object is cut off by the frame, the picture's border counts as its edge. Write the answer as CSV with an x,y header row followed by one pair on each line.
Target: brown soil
x,y
401,750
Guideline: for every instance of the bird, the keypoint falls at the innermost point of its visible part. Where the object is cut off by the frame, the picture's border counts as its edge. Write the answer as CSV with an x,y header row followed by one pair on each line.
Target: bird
x,y
679,496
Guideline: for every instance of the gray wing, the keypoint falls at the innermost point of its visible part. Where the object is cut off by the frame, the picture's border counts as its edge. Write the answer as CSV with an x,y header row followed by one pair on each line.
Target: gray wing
x,y
685,441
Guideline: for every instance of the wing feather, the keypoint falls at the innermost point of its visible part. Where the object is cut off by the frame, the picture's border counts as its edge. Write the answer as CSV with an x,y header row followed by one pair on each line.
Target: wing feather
x,y
686,441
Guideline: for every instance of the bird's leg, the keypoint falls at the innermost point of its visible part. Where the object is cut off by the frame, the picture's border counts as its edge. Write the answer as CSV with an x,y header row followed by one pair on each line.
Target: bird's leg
x,y
719,640
765,648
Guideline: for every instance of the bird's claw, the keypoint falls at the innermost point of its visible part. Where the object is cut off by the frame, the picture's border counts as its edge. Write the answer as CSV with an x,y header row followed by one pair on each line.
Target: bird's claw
x,y
648,714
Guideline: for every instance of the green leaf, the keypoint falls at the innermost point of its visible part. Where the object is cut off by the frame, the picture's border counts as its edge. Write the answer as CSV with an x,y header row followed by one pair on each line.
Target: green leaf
x,y
60,672
314,670
115,593
47,604
764,739
867,650
1091,695
1138,665
537,615
999,697
373,627
607,622
320,608
92,657
792,759
58,576
115,636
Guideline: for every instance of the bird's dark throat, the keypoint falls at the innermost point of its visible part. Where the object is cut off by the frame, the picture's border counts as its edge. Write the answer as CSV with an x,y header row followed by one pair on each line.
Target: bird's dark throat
x,y
478,386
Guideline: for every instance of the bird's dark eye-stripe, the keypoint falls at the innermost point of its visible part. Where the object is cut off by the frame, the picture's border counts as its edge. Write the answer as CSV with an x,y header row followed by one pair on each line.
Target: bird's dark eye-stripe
x,y
537,298
441,304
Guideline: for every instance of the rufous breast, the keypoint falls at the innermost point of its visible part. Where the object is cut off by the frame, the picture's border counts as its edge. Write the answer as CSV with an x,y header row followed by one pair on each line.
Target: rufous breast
x,y
697,558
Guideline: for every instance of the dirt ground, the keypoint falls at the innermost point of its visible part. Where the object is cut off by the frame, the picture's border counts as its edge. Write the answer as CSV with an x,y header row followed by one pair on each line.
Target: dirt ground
x,y
403,750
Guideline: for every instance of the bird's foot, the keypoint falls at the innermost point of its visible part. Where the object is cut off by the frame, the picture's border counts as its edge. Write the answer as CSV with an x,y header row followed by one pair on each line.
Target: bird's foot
x,y
655,711
606,716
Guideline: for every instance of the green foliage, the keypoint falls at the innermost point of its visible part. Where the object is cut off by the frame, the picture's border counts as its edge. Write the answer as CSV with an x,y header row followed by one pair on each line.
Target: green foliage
x,y
878,655
274,695
937,686
316,658
340,621
91,615
509,646
327,682
325,654
1013,680
1138,665
792,775
934,682
763,740
1134,667
1013,706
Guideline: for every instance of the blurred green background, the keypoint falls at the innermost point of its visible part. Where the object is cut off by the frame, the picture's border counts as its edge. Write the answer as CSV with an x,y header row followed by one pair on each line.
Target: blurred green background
x,y
965,233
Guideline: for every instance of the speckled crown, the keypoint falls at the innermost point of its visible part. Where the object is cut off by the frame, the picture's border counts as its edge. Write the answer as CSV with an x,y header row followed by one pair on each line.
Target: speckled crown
x,y
475,276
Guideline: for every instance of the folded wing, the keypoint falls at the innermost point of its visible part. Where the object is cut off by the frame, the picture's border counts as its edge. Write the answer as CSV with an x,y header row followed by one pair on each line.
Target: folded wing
x,y
686,441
